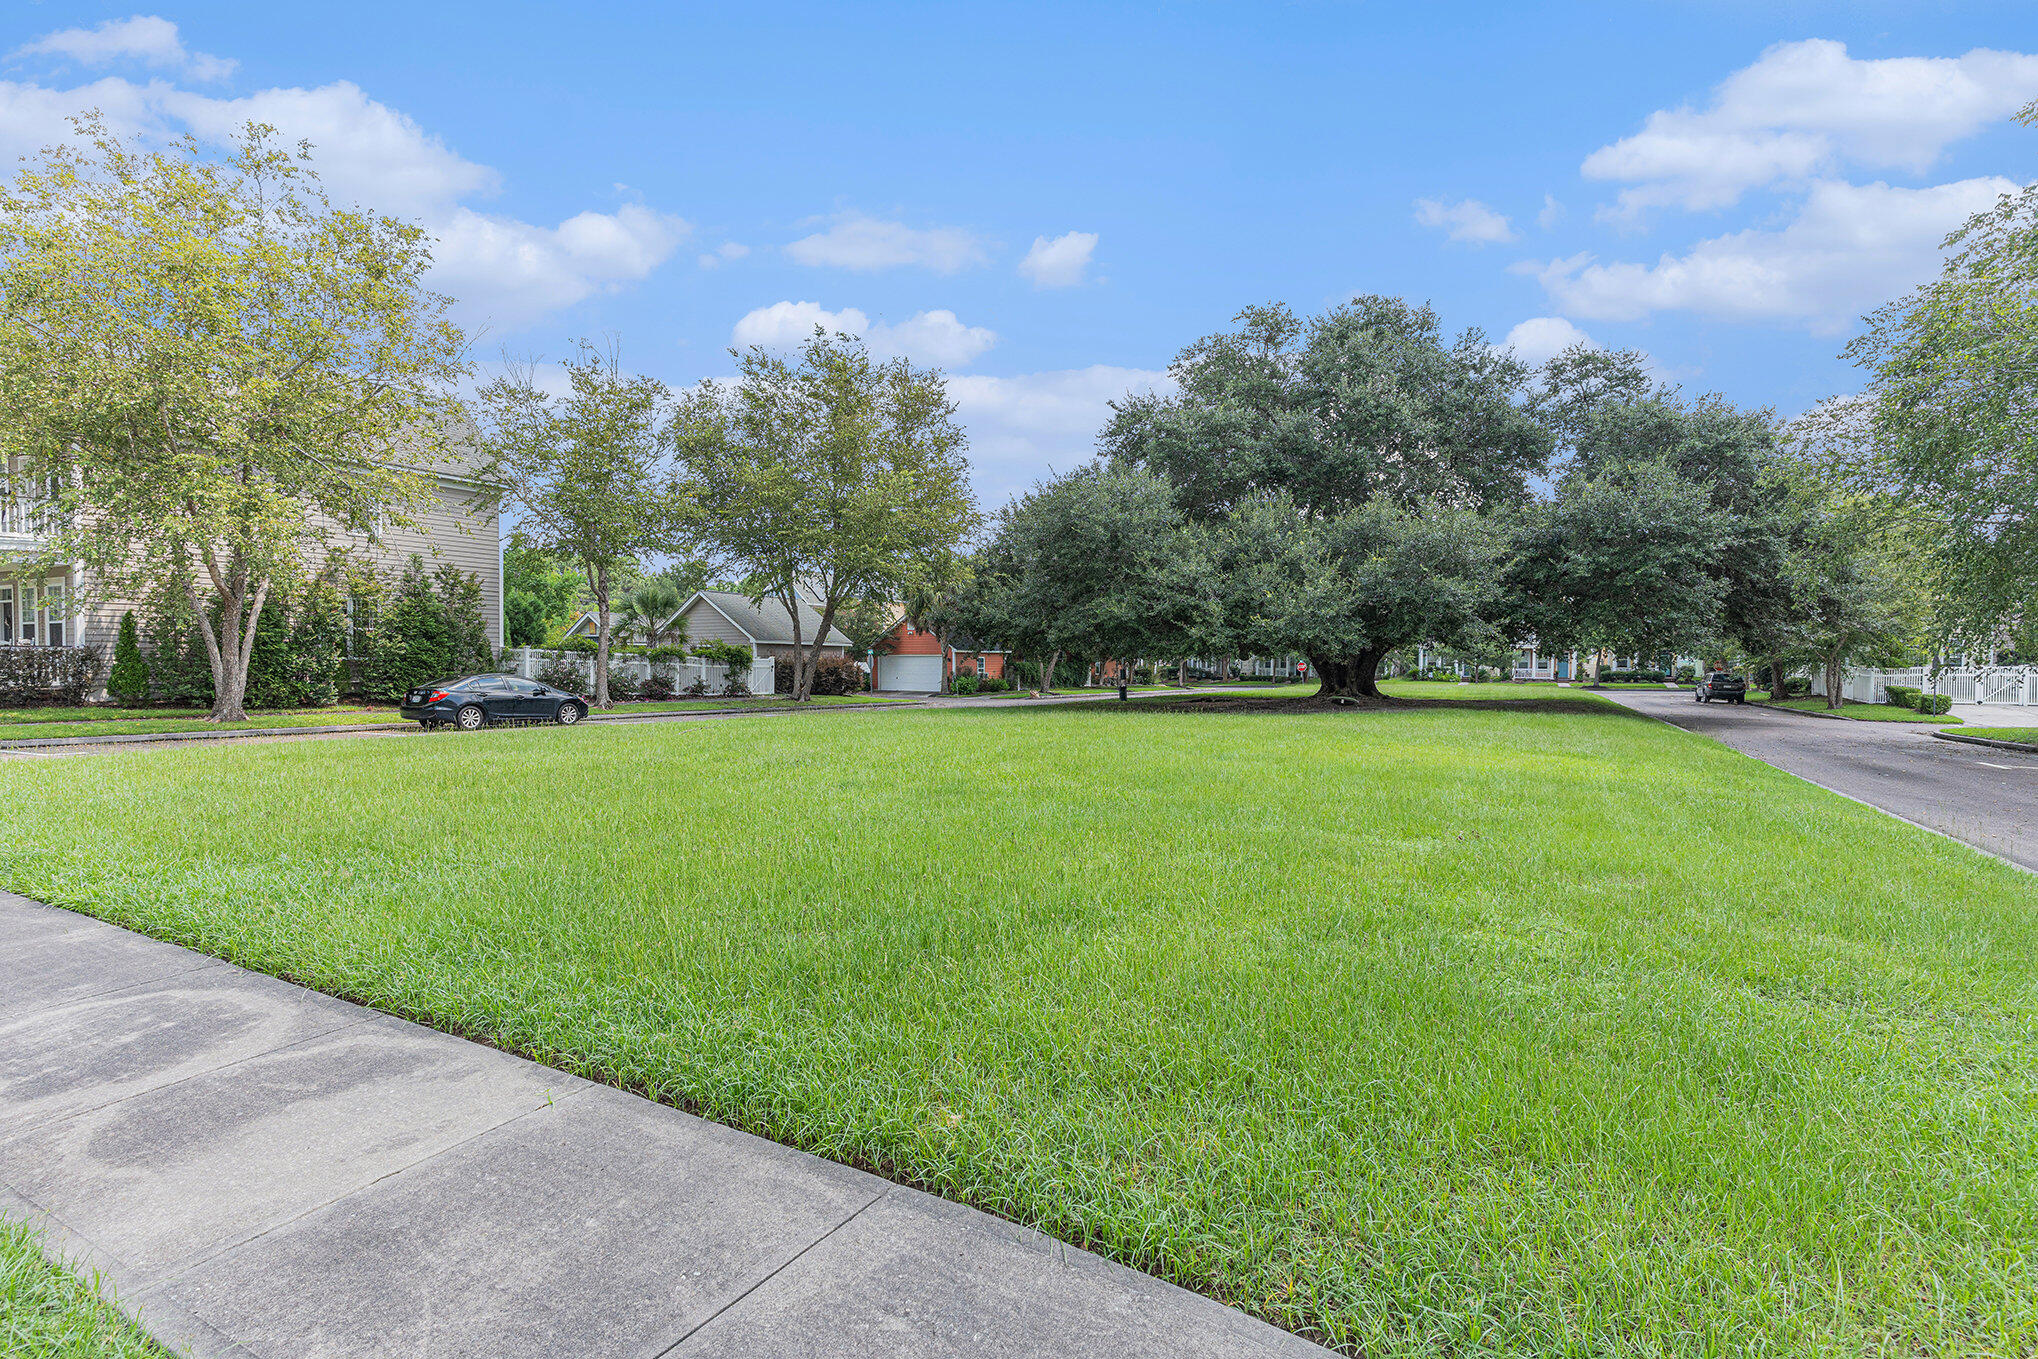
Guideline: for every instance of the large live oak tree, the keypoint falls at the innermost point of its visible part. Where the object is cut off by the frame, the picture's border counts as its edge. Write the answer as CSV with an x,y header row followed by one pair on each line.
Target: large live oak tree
x,y
1357,437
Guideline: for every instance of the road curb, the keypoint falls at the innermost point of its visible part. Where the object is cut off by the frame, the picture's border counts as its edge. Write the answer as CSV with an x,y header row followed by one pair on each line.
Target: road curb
x,y
1832,717
2025,746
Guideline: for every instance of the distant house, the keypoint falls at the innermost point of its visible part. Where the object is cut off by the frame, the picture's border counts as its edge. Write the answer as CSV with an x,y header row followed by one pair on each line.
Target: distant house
x,y
913,660
766,628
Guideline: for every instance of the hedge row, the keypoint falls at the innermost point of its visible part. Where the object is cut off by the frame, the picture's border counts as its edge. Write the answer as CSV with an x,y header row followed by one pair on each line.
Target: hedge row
x,y
1917,700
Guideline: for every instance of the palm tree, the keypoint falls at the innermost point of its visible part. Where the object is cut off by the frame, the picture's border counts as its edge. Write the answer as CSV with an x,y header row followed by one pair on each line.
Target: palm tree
x,y
649,612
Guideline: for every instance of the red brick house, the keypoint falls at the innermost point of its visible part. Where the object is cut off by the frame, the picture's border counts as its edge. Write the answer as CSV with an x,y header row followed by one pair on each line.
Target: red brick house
x,y
913,660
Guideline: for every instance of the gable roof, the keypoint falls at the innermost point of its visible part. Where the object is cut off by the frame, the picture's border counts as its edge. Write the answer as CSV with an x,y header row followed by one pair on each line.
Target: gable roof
x,y
766,623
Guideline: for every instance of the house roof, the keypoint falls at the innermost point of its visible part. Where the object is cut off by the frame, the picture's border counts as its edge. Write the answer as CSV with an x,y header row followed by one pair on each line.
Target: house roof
x,y
767,622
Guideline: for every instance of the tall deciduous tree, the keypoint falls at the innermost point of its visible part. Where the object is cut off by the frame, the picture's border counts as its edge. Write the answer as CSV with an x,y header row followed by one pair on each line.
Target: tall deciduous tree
x,y
1364,409
831,475
208,373
590,471
1949,411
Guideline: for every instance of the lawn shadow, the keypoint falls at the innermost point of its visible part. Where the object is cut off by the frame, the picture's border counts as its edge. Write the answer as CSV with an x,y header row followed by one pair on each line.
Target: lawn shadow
x,y
1312,703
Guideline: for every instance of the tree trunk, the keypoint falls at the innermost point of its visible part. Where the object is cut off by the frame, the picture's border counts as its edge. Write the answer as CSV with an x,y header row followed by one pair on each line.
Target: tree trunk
x,y
232,646
1778,689
810,656
601,638
1348,676
1047,673
1833,698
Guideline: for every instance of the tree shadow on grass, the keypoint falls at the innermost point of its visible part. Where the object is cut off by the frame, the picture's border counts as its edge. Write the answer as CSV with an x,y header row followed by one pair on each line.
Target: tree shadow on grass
x,y
1253,704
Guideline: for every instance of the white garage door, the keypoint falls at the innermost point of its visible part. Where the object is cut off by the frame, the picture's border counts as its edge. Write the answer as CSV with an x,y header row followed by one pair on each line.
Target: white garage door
x,y
914,674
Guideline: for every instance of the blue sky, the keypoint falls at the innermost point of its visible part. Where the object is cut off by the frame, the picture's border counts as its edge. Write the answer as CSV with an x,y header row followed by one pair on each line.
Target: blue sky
x,y
1050,200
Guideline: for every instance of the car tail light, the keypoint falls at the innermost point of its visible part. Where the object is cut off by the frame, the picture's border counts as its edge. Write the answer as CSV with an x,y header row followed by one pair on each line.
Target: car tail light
x,y
437,694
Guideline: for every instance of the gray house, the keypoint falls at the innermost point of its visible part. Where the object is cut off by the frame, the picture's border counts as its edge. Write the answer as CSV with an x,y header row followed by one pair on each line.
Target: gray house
x,y
766,628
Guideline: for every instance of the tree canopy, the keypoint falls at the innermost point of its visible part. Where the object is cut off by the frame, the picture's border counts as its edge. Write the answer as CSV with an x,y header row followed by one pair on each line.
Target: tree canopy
x,y
832,476
209,374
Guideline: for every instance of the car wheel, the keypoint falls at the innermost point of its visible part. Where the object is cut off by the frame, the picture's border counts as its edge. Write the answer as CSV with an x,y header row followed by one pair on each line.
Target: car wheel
x,y
472,718
569,713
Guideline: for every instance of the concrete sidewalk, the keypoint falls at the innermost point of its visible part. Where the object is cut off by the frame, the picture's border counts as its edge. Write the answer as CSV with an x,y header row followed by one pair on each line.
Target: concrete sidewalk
x,y
258,1170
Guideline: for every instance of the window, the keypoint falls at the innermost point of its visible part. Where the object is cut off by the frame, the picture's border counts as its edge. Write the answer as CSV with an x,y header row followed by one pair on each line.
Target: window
x,y
27,633
6,614
53,609
980,667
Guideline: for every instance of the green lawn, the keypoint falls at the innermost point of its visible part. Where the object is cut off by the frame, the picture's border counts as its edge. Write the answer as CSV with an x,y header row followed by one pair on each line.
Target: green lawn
x,y
329,717
680,705
47,1312
2029,734
346,712
1858,712
1439,1030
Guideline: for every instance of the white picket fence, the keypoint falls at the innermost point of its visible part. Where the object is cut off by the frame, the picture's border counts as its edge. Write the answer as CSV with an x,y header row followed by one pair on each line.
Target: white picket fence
x,y
2009,685
528,661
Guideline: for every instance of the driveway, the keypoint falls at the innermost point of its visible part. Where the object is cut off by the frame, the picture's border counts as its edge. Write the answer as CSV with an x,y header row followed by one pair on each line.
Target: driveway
x,y
1989,798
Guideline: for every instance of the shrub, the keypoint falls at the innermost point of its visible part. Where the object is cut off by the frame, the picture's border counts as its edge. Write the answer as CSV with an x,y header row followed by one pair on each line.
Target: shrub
x,y
567,675
523,617
129,681
992,685
47,674
964,684
1902,696
431,628
664,653
1935,704
585,646
698,689
1687,674
300,645
659,685
624,685
836,675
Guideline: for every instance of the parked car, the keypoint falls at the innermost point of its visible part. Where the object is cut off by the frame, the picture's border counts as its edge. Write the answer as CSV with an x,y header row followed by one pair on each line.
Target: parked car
x,y
491,700
1721,685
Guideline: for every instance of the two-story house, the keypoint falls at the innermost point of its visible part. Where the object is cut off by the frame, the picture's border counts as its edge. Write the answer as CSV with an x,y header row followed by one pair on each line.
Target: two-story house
x,y
60,608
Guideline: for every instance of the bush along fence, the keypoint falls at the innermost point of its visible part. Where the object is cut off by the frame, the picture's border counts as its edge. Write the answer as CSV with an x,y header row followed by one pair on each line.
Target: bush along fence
x,y
2010,685
641,675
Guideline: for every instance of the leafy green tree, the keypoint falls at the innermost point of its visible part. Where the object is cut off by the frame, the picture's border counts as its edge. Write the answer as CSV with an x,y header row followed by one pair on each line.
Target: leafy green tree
x,y
211,375
1623,560
832,476
1940,439
459,595
539,592
1102,562
590,471
129,680
524,621
1363,409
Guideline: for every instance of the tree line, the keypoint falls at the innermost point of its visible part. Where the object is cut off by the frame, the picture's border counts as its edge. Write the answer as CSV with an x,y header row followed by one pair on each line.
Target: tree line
x,y
214,382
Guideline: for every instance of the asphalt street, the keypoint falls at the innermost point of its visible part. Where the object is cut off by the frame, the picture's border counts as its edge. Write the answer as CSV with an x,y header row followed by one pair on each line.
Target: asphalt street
x,y
1987,797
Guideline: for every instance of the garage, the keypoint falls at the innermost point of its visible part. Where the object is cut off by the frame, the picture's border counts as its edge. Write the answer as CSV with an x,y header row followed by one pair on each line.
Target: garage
x,y
913,674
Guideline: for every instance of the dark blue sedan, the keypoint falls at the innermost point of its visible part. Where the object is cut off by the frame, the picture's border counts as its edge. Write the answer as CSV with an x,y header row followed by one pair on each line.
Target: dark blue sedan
x,y
490,701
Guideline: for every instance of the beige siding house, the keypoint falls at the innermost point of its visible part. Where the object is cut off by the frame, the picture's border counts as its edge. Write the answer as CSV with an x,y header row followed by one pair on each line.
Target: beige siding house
x,y
60,609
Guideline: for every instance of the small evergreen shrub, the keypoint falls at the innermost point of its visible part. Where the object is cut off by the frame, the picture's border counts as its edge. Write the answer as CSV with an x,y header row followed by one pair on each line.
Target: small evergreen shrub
x,y
965,684
567,675
1903,696
129,681
1935,704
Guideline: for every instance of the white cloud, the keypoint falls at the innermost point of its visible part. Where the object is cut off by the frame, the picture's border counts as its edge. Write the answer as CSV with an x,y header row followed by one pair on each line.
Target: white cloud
x,y
1802,110
728,252
1541,338
931,337
1061,262
503,272
857,241
1551,214
365,151
1851,248
510,273
145,38
1469,220
1021,428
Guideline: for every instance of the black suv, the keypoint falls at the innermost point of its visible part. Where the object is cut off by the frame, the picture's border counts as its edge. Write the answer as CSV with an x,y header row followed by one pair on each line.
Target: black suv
x,y
1720,684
